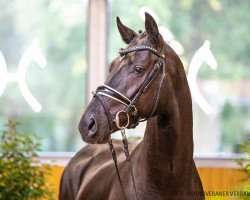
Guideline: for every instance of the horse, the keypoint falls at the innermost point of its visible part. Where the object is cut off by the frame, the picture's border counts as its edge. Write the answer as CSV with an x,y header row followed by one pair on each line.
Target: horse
x,y
146,81
203,54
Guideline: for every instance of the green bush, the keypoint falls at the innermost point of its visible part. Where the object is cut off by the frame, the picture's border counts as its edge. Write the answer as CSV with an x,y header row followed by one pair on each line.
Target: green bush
x,y
21,174
245,166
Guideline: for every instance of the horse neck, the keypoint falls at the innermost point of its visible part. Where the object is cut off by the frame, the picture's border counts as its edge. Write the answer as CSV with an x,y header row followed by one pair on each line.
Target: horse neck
x,y
167,146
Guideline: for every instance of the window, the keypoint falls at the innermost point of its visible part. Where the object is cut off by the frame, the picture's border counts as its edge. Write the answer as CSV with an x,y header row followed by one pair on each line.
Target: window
x,y
46,90
48,95
213,37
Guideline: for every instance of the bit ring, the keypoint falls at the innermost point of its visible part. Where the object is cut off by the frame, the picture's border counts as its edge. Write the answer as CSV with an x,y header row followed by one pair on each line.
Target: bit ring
x,y
117,120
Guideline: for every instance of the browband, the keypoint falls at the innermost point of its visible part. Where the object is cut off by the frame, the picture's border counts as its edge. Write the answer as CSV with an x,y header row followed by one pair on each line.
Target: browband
x,y
140,48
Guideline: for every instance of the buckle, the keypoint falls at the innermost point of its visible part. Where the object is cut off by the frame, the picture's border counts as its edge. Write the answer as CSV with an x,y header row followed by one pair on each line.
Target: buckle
x,y
133,110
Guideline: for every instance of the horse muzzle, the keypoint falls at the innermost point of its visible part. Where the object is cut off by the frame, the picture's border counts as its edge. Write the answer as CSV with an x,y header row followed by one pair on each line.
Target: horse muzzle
x,y
93,124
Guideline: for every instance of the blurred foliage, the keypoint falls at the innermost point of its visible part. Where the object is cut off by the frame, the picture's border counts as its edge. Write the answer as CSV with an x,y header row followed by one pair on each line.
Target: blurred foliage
x,y
21,177
234,119
245,165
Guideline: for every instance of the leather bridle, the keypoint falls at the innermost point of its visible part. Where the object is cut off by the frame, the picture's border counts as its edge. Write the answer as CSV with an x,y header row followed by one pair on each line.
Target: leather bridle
x,y
130,109
105,90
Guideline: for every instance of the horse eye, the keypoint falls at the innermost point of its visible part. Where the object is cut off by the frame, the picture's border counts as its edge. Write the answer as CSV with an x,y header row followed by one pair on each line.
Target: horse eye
x,y
139,70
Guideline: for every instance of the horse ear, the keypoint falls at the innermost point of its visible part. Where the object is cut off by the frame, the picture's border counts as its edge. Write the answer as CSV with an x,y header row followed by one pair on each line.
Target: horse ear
x,y
126,33
152,29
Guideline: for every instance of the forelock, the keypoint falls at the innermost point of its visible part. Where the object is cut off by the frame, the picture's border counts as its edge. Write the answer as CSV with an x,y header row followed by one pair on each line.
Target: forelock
x,y
141,39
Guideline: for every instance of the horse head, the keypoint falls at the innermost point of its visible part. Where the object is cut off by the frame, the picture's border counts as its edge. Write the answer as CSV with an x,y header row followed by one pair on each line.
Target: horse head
x,y
133,89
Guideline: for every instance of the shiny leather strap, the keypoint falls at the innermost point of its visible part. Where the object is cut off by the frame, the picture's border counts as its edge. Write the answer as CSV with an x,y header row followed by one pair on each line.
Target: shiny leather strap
x,y
112,93
122,52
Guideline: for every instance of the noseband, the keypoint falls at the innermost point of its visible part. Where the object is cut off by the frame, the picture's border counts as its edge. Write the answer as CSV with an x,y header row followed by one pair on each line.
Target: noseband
x,y
105,90
130,110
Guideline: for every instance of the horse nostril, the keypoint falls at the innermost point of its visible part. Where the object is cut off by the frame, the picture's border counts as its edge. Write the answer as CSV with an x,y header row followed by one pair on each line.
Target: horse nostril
x,y
92,127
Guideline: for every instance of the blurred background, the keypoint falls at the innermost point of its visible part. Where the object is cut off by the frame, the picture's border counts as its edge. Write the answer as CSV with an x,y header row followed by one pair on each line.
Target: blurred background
x,y
54,53
210,36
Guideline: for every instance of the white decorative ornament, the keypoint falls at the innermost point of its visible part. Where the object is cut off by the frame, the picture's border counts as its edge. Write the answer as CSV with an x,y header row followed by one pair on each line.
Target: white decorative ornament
x,y
33,52
203,54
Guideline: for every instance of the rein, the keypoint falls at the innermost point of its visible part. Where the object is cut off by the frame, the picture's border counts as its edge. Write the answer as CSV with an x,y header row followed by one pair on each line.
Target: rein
x,y
105,90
